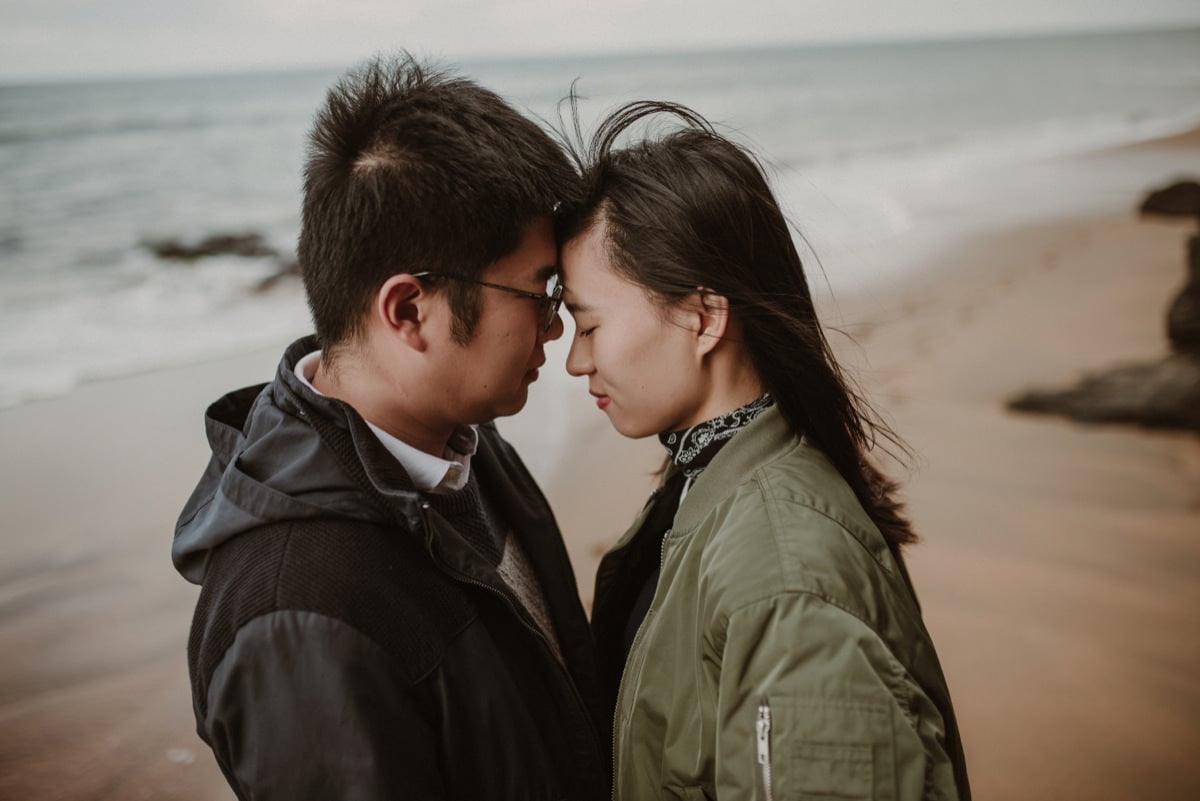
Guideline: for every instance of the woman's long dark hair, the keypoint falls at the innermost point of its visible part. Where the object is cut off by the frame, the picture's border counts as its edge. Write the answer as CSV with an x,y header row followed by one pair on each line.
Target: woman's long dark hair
x,y
691,209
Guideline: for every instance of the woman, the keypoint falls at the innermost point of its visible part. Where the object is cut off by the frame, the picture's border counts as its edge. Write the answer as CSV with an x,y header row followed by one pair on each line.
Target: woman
x,y
758,630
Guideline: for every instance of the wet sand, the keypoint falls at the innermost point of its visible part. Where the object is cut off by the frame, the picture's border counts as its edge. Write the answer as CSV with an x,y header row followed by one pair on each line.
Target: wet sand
x,y
1058,571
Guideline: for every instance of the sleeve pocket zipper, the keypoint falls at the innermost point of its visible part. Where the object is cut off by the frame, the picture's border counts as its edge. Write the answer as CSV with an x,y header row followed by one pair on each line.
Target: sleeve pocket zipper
x,y
762,741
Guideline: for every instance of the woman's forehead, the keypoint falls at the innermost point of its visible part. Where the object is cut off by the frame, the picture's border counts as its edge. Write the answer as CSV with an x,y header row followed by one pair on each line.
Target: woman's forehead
x,y
585,268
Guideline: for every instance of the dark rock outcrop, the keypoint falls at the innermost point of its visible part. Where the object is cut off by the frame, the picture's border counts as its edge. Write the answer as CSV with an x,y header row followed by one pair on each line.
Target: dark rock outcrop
x,y
1183,317
250,246
1180,199
288,268
244,245
1163,394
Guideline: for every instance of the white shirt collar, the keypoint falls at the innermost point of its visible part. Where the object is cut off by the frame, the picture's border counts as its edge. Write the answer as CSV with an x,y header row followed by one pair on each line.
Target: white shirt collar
x,y
428,472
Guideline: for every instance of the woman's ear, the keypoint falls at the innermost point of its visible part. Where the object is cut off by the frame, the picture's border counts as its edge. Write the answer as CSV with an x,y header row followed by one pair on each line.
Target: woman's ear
x,y
713,315
399,309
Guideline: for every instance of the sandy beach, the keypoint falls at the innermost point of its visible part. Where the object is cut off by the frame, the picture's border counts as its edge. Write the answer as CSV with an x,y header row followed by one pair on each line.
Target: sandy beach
x,y
1058,569
1059,565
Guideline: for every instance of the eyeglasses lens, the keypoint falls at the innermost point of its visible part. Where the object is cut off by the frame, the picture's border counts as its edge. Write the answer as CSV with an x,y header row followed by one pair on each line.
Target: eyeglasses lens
x,y
554,292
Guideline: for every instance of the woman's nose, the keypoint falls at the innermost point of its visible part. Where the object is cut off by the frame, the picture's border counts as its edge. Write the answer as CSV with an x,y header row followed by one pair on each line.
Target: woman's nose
x,y
579,360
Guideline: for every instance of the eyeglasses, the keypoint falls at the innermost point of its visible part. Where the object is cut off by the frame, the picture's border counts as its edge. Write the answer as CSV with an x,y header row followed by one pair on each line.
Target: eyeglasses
x,y
552,298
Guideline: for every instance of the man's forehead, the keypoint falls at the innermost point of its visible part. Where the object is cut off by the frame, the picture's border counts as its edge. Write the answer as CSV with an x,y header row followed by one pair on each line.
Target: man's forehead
x,y
531,262
532,272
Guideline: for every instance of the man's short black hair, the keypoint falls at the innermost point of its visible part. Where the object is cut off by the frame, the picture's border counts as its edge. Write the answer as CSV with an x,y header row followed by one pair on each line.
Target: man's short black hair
x,y
412,169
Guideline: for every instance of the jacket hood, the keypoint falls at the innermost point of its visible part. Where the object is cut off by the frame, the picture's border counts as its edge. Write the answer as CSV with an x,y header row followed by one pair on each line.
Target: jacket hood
x,y
269,464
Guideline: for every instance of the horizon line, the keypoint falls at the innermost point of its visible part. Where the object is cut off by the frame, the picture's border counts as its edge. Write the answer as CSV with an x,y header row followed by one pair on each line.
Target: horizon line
x,y
16,80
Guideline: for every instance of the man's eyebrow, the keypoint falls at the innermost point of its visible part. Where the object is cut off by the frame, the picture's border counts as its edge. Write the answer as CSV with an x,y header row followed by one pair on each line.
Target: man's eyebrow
x,y
544,274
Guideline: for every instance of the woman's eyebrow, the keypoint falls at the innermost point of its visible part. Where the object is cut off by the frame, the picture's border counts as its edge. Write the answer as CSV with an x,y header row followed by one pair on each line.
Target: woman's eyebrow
x,y
577,308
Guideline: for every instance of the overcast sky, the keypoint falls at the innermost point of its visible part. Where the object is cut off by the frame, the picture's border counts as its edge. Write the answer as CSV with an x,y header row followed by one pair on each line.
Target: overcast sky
x,y
73,38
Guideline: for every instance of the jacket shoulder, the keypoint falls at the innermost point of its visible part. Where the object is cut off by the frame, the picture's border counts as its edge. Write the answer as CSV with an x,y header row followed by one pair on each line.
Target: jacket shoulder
x,y
795,526
304,706
376,580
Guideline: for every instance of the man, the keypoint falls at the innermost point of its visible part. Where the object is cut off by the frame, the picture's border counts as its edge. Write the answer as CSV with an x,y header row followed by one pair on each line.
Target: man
x,y
387,609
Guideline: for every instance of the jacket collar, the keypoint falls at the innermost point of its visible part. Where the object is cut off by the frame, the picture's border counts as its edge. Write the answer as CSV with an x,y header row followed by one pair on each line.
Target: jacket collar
x,y
768,437
349,437
693,448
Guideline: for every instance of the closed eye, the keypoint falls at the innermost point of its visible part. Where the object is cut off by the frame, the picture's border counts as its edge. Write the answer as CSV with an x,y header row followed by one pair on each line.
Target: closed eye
x,y
584,332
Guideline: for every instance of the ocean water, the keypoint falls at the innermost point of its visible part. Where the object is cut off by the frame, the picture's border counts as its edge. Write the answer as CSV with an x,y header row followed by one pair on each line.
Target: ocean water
x,y
854,136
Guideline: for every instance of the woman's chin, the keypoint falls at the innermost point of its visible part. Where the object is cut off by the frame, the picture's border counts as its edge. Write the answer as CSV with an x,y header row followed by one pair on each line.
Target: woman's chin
x,y
631,428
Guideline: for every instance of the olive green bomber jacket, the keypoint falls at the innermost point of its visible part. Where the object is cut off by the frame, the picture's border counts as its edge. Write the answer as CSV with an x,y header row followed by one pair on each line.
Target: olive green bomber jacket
x,y
784,655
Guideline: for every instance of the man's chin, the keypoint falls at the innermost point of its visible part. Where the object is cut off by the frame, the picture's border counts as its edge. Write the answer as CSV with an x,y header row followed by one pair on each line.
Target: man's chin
x,y
513,404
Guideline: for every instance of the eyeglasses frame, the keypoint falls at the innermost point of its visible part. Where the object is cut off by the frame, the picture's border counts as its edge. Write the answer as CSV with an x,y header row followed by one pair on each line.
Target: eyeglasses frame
x,y
553,299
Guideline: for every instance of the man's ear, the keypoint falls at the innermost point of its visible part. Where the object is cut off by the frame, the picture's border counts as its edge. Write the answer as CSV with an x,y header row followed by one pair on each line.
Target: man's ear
x,y
712,313
400,309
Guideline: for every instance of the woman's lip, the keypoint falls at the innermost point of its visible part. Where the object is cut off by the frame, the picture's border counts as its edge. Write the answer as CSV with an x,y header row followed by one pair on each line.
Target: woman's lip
x,y
602,401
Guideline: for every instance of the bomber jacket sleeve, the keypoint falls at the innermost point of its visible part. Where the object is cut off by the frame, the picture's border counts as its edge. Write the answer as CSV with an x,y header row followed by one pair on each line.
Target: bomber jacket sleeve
x,y
811,703
304,706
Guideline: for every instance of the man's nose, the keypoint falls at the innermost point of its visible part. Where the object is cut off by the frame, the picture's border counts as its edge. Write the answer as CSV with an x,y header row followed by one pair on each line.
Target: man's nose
x,y
555,330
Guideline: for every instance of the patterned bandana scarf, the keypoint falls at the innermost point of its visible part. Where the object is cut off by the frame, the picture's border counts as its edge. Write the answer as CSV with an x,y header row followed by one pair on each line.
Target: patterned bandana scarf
x,y
693,448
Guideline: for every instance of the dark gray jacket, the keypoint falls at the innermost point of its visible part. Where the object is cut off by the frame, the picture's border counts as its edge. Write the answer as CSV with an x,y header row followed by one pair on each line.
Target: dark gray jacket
x,y
348,643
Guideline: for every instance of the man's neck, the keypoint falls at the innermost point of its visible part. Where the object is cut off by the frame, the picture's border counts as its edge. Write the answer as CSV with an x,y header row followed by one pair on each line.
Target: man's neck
x,y
379,403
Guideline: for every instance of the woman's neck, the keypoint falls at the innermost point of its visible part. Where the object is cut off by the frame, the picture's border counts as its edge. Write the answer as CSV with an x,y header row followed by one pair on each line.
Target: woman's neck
x,y
733,383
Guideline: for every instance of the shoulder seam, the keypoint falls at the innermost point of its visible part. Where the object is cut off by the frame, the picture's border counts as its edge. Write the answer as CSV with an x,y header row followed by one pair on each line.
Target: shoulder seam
x,y
450,639
392,661
343,623
287,542
775,596
807,503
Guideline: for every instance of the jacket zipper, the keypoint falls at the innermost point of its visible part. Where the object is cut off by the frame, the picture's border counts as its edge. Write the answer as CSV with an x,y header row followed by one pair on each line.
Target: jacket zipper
x,y
637,638
532,628
762,738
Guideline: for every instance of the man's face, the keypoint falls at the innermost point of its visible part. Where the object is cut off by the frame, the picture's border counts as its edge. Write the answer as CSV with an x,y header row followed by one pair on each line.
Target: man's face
x,y
492,372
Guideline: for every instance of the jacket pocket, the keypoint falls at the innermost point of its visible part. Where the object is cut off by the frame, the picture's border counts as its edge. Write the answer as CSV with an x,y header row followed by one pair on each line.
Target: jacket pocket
x,y
826,770
823,749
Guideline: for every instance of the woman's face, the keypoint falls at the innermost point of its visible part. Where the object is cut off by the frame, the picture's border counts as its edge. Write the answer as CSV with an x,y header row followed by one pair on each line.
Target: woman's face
x,y
641,362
